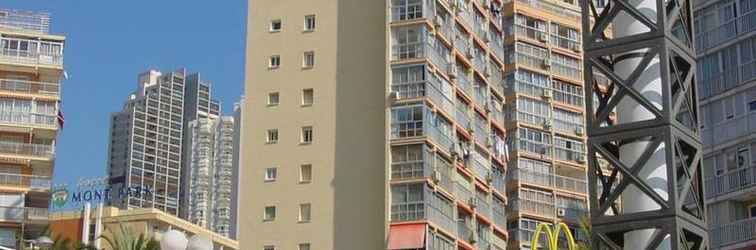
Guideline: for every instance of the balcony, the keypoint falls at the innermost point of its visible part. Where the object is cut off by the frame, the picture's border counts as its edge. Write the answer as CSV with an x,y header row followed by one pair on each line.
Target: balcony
x,y
483,205
462,117
711,38
480,94
723,81
425,168
27,149
465,231
29,119
499,216
571,184
481,129
531,32
573,214
731,182
23,214
499,183
463,82
30,87
429,88
26,181
543,209
553,9
462,192
733,233
29,58
436,52
480,165
566,67
566,42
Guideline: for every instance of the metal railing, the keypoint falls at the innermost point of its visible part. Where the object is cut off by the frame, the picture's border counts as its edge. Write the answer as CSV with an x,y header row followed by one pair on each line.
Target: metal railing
x,y
30,87
534,207
571,184
480,165
530,32
464,231
28,119
481,131
438,136
25,57
461,192
722,81
24,181
23,214
735,232
715,36
500,217
733,181
442,220
29,149
566,70
484,207
565,43
27,20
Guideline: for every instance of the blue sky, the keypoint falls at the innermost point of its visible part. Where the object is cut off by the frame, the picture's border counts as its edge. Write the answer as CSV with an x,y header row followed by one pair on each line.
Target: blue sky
x,y
110,42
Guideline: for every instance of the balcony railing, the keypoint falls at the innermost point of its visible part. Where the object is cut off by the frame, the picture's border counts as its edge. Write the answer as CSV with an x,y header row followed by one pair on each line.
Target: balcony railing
x,y
732,233
530,32
565,43
462,192
28,119
500,217
570,184
26,57
499,184
733,181
30,87
464,231
480,165
481,131
23,214
566,70
26,181
26,149
428,88
533,207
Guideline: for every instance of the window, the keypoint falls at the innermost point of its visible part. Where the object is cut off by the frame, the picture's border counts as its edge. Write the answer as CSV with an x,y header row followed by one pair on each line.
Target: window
x,y
304,246
271,174
269,248
275,61
307,97
272,136
307,135
305,173
273,99
753,211
308,60
309,25
752,106
407,202
275,25
270,213
304,212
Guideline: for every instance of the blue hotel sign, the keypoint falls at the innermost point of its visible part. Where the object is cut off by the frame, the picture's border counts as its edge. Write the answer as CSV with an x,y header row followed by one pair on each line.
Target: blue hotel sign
x,y
95,190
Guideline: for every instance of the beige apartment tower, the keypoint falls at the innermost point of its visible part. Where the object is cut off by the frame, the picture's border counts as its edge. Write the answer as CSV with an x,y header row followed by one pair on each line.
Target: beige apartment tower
x,y
31,71
411,124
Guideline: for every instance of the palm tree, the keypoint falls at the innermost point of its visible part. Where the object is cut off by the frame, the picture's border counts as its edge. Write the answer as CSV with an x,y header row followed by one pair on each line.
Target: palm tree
x,y
126,239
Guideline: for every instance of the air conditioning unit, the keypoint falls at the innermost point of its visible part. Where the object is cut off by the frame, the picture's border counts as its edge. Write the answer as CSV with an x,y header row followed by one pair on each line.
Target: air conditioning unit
x,y
436,176
547,125
580,131
472,202
561,212
394,95
581,159
453,70
546,64
542,37
546,94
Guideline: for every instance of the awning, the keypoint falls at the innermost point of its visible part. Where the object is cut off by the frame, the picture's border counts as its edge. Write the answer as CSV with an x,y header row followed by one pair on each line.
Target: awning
x,y
411,236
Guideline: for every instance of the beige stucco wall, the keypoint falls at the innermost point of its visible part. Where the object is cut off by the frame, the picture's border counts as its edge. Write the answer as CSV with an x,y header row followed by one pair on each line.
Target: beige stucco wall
x,y
347,156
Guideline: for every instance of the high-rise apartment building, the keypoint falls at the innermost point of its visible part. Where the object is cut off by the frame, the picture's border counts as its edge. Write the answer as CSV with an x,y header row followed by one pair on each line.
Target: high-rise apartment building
x,y
403,123
31,71
209,175
146,142
726,50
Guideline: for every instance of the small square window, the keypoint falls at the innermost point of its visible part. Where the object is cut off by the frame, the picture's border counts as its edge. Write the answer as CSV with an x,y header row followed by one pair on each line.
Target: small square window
x,y
309,24
305,173
275,62
270,213
307,97
275,25
752,106
307,135
304,212
271,174
309,59
304,246
269,248
273,99
272,136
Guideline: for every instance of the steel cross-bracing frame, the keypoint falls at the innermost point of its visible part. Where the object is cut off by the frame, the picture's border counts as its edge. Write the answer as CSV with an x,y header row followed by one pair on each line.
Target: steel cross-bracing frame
x,y
629,49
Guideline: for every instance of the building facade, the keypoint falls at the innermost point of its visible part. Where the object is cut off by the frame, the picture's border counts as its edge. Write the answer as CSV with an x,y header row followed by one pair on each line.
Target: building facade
x,y
209,181
480,107
31,72
726,49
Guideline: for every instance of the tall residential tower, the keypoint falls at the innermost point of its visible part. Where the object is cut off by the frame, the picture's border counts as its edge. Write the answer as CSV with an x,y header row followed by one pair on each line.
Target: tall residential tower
x,y
31,71
389,124
726,50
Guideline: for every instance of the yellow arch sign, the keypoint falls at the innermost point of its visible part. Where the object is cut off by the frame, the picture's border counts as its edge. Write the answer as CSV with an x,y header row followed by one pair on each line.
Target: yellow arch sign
x,y
552,236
